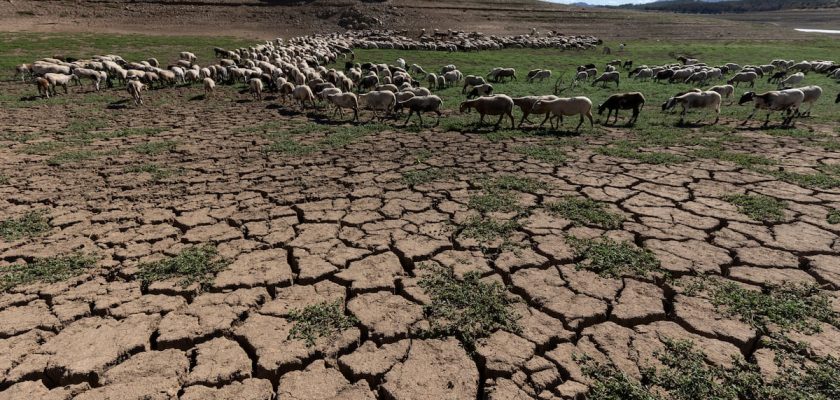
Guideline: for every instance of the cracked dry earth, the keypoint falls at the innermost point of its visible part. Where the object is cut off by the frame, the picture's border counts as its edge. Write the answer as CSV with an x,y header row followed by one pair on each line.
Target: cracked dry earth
x,y
342,224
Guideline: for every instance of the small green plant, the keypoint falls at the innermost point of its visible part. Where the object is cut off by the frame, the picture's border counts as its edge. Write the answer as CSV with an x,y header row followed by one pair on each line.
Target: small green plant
x,y
833,217
611,259
788,306
155,170
608,383
742,159
320,320
513,182
584,211
4,180
422,155
759,207
630,152
289,146
467,308
85,125
70,157
486,229
43,148
48,270
32,223
494,201
549,154
155,148
421,176
192,265
820,179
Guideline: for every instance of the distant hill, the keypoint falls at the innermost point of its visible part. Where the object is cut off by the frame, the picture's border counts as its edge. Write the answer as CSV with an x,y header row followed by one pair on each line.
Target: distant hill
x,y
732,6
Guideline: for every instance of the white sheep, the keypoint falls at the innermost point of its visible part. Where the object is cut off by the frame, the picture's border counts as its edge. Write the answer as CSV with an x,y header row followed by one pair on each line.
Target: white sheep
x,y
378,101
187,56
541,75
500,105
134,87
421,104
791,80
691,100
472,80
209,87
480,90
614,76
452,77
345,100
743,77
59,80
303,94
725,91
255,86
526,105
644,74
568,106
43,87
789,101
93,75
812,94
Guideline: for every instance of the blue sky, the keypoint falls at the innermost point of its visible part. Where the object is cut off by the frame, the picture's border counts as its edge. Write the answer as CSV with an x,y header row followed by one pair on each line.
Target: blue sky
x,y
603,2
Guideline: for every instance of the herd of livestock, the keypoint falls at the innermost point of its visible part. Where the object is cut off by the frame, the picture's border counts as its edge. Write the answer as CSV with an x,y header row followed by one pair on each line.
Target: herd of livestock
x,y
297,69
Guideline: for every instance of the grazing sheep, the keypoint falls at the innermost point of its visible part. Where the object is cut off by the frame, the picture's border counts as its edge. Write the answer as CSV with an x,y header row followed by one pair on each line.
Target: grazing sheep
x,y
403,96
285,90
451,77
791,80
43,87
581,76
416,69
691,100
421,104
209,87
499,74
740,77
499,104
541,75
378,101
472,80
568,106
345,100
614,76
134,87
667,104
441,82
255,86
431,79
389,87
623,101
187,56
419,91
23,70
788,100
303,94
812,94
664,75
644,74
59,80
480,90
725,91
697,77
526,105
368,83
93,75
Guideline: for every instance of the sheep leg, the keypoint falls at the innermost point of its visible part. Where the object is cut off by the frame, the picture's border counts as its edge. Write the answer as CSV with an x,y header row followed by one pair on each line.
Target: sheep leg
x,y
499,122
510,114
409,117
438,117
481,120
588,115
419,115
577,128
749,117
616,116
547,116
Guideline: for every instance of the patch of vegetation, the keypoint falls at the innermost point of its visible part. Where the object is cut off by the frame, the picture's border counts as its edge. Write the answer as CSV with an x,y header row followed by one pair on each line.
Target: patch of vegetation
x,y
583,211
155,170
86,125
545,153
825,178
289,146
43,148
87,137
47,270
155,148
467,308
503,134
192,265
4,180
833,217
759,207
789,306
32,223
742,159
487,229
320,320
608,383
421,176
513,182
611,259
629,152
422,155
69,157
494,201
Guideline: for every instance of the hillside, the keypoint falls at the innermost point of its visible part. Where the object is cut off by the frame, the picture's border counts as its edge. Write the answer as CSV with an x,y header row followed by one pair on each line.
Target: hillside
x,y
734,6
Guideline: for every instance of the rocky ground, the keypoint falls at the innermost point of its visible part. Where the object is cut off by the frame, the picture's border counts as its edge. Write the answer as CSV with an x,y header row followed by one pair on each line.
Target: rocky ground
x,y
344,223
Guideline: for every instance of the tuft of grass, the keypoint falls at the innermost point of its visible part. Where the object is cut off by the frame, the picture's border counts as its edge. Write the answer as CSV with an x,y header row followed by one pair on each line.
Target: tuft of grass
x,y
85,125
69,157
155,170
788,306
742,159
820,179
583,211
86,137
759,207
421,176
43,148
4,180
422,155
467,308
611,259
833,217
494,201
155,148
488,229
549,154
320,320
197,264
47,270
608,383
513,182
32,223
289,146
633,153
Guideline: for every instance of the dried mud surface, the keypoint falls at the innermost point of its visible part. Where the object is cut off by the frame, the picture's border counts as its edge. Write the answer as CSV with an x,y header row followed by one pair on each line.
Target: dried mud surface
x,y
341,224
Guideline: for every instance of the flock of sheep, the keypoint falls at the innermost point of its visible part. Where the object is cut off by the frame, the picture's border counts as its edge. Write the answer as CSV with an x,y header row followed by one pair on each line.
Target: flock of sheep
x,y
297,69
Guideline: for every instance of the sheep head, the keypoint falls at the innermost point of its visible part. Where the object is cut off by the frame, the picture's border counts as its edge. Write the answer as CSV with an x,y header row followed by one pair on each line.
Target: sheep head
x,y
746,98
